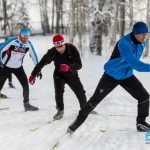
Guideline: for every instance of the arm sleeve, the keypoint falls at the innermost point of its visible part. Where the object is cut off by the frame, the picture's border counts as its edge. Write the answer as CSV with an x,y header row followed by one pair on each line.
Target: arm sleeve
x,y
33,53
5,46
126,53
77,64
46,59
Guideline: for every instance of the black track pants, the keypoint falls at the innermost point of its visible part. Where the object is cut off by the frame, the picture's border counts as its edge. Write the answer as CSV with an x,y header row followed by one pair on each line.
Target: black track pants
x,y
21,76
10,78
132,85
74,83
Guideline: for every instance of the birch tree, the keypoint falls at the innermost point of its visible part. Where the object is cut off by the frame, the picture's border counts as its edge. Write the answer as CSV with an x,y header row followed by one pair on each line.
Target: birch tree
x,y
122,17
81,22
148,23
131,12
98,25
115,24
14,15
1,14
59,15
5,19
53,15
78,22
43,4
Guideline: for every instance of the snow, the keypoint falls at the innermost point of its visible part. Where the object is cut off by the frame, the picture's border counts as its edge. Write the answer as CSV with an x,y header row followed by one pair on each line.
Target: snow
x,y
113,128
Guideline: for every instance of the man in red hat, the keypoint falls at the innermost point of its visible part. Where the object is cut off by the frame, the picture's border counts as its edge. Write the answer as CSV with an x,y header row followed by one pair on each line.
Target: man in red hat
x,y
67,62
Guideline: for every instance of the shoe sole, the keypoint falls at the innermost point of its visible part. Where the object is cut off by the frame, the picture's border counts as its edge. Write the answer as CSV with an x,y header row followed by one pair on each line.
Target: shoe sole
x,y
32,110
57,118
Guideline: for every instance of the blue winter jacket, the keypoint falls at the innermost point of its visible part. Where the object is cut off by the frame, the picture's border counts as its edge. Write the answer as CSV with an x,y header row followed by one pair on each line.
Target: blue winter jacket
x,y
122,66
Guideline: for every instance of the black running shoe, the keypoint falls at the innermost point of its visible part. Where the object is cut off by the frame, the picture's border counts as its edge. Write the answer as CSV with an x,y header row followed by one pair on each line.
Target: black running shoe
x,y
143,127
29,107
11,85
59,115
76,124
3,96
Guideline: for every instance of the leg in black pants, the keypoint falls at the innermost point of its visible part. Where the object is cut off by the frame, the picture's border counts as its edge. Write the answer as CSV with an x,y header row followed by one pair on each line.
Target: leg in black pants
x,y
10,78
10,81
59,84
21,76
77,87
133,86
105,86
3,76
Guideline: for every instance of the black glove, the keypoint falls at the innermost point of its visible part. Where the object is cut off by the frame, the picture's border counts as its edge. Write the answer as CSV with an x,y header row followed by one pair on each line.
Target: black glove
x,y
1,66
40,75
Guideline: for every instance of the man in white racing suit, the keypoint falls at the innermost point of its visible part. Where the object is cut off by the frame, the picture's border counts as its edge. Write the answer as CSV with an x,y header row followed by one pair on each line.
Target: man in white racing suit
x,y
16,48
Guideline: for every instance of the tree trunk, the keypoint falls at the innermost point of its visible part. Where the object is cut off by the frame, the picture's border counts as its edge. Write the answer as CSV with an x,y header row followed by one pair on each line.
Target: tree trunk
x,y
5,15
148,23
131,12
114,33
80,25
53,15
41,13
71,27
58,6
61,17
1,14
44,16
122,18
97,32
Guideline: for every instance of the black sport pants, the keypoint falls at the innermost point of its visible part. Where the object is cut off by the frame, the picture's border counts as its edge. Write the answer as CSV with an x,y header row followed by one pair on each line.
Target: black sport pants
x,y
21,76
74,83
132,85
10,78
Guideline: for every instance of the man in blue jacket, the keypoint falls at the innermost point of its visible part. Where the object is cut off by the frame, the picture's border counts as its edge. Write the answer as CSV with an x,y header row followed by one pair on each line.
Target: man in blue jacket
x,y
119,71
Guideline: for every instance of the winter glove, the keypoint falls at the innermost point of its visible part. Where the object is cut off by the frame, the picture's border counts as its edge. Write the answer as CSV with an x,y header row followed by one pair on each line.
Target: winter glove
x,y
32,79
40,75
64,67
1,66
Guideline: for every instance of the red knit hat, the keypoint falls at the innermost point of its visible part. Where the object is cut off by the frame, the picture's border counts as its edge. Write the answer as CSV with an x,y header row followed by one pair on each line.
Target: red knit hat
x,y
58,40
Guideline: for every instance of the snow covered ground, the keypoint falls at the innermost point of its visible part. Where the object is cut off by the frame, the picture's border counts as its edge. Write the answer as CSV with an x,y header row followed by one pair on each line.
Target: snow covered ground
x,y
113,128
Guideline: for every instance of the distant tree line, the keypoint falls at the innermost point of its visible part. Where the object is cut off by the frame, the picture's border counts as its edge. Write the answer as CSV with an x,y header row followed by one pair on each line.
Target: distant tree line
x,y
91,21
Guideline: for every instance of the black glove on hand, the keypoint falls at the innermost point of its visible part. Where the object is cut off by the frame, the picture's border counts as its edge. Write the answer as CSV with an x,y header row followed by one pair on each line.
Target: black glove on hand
x,y
40,75
1,66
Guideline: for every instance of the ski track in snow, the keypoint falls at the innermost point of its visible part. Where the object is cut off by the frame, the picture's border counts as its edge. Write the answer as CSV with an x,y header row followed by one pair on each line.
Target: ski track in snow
x,y
113,128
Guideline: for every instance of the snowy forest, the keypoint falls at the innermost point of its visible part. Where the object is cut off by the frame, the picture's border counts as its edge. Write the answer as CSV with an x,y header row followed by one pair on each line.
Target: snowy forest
x,y
94,27
93,22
